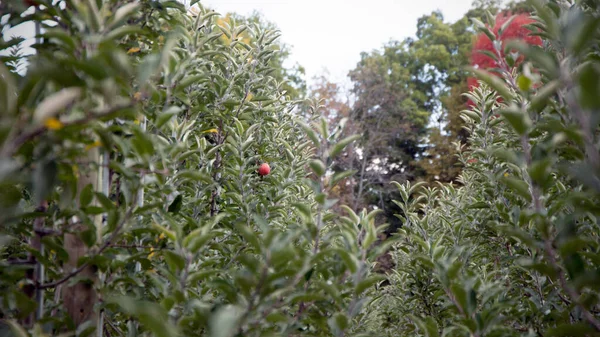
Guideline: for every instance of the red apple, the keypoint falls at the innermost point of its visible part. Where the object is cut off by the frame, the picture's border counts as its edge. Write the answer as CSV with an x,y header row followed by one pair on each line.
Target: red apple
x,y
264,169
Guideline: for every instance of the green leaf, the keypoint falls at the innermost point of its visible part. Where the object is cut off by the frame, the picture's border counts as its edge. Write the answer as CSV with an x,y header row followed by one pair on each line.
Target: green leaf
x,y
341,145
318,167
518,185
86,195
483,28
55,103
176,205
175,261
16,328
199,276
304,210
568,330
540,100
123,12
524,83
170,234
589,80
142,143
431,327
167,115
338,323
479,205
123,31
518,119
350,260
337,177
494,82
460,296
44,180
189,80
148,67
311,134
194,176
224,323
367,283
151,315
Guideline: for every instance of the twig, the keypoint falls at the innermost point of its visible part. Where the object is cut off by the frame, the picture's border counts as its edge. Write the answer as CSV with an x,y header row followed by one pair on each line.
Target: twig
x,y
106,244
565,286
113,327
11,147
135,246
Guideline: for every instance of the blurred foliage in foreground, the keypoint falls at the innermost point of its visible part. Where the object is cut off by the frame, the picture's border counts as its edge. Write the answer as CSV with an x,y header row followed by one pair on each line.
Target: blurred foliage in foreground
x,y
130,199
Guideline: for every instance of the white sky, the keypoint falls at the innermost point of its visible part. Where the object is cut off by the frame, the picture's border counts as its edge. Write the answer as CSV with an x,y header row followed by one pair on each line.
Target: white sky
x,y
331,34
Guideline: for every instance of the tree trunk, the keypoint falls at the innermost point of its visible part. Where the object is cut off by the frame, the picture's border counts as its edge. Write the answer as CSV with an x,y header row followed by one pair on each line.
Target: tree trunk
x,y
79,299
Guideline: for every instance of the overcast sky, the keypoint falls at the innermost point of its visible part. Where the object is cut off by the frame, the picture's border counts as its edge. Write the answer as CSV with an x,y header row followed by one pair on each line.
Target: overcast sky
x,y
331,34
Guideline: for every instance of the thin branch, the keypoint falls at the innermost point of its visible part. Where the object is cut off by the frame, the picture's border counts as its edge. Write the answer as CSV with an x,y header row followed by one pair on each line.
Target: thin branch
x,y
573,293
11,147
136,247
106,244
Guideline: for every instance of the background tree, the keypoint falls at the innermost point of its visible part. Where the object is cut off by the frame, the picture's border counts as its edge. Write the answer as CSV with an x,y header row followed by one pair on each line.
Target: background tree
x,y
335,107
408,99
513,251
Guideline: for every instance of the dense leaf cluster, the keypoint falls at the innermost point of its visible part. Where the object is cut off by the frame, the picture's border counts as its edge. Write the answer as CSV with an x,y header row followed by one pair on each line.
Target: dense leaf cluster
x,y
515,250
130,199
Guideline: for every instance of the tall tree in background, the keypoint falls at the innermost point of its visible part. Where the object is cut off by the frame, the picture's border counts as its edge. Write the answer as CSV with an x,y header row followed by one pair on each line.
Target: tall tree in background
x,y
447,133
335,107
392,121
408,102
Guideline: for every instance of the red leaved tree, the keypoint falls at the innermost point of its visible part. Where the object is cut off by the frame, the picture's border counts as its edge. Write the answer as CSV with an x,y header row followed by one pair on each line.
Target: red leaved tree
x,y
516,30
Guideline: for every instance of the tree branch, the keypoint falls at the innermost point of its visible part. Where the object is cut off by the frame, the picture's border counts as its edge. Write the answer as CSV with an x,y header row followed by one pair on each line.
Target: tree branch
x,y
12,147
105,245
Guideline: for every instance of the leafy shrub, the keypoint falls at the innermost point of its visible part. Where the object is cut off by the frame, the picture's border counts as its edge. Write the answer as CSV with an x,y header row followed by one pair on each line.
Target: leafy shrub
x,y
130,198
515,251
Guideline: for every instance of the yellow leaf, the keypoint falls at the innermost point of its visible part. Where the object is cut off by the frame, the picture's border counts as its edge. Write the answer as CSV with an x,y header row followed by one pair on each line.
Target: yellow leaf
x,y
93,145
162,236
249,97
53,124
133,50
211,131
137,96
506,174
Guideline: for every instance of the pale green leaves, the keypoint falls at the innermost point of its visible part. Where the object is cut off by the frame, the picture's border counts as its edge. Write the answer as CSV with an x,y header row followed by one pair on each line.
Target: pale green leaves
x,y
55,103
341,145
151,315
225,322
494,82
